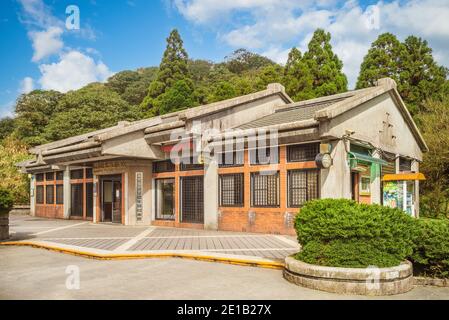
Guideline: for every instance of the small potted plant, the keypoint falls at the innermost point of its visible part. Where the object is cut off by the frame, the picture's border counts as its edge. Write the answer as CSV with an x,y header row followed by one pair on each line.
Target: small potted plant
x,y
6,203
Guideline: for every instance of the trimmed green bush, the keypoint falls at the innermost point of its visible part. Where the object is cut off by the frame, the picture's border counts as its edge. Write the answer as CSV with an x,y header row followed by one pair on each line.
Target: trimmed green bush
x,y
431,254
6,200
343,233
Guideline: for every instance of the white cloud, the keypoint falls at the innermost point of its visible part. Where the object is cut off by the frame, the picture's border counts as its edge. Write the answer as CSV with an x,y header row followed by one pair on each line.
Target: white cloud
x,y
73,71
36,14
272,27
26,85
46,43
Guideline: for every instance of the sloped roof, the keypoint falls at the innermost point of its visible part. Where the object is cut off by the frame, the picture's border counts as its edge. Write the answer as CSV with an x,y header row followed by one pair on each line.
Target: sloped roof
x,y
303,110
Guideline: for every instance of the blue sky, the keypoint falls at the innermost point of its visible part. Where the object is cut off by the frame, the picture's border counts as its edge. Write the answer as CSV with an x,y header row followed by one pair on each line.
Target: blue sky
x,y
38,51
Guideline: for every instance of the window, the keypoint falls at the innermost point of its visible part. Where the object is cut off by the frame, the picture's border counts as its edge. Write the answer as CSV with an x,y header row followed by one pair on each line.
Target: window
x,y
50,176
49,194
163,166
365,184
302,186
77,174
165,199
264,189
231,159
59,194
40,177
405,164
40,194
192,199
268,155
302,152
191,164
60,175
231,190
89,173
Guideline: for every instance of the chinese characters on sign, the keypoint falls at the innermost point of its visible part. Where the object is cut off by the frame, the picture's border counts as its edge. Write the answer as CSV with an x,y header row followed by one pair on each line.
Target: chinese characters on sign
x,y
139,187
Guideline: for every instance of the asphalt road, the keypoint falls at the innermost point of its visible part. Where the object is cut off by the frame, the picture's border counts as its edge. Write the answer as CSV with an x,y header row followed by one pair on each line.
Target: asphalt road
x,y
29,273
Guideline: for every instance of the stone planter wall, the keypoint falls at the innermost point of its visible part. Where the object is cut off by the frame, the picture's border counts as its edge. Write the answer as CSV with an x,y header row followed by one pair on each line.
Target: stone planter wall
x,y
4,225
360,281
20,210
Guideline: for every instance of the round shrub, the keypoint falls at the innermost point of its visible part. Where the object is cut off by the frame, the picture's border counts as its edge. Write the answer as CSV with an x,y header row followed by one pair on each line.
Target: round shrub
x,y
343,233
6,200
431,255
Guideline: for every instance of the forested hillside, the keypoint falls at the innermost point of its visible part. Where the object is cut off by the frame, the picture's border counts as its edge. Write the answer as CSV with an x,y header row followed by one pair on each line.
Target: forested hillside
x,y
180,82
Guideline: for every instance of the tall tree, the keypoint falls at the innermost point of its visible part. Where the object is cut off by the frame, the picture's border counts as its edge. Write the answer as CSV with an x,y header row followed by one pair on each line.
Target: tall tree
x,y
433,121
13,150
173,68
298,80
325,66
421,78
382,60
243,60
6,127
34,110
87,109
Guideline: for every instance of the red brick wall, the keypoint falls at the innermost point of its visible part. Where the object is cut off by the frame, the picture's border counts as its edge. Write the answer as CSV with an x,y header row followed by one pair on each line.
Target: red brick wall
x,y
278,220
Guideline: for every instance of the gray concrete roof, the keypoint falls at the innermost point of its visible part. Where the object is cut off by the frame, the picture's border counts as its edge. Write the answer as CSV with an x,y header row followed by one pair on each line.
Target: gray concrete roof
x,y
286,115
303,110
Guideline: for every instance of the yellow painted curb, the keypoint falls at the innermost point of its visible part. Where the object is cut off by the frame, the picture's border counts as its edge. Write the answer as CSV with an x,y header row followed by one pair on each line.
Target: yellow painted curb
x,y
122,256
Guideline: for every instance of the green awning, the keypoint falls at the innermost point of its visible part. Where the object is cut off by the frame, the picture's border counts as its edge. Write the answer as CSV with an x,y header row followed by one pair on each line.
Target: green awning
x,y
366,158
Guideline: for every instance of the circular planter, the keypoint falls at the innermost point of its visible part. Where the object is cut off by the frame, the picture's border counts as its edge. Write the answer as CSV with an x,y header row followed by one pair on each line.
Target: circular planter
x,y
370,281
4,225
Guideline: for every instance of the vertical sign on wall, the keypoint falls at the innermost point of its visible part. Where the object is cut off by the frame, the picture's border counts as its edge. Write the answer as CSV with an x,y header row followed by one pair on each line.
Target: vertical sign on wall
x,y
139,187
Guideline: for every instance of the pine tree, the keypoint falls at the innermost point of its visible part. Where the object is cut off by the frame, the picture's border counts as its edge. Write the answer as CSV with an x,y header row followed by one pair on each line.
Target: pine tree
x,y
324,65
173,68
382,60
421,78
410,64
297,77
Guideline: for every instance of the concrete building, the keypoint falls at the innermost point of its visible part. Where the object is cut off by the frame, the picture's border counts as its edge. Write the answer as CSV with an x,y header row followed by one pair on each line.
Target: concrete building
x,y
243,164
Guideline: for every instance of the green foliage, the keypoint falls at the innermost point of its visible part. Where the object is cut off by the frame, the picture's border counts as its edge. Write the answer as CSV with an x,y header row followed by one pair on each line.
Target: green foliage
x,y
434,122
298,80
242,60
88,109
34,111
421,78
381,61
178,97
222,91
431,254
410,64
324,65
13,151
6,127
6,200
343,233
132,86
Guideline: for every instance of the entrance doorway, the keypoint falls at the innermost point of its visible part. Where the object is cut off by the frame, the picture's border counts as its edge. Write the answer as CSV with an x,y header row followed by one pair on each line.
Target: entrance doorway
x,y
355,186
111,198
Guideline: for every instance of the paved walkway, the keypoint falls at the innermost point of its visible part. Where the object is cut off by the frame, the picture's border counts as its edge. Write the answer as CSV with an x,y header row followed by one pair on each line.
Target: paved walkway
x,y
119,239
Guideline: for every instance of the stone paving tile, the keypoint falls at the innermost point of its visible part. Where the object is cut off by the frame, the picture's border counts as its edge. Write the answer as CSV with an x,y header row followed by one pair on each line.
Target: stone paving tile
x,y
109,237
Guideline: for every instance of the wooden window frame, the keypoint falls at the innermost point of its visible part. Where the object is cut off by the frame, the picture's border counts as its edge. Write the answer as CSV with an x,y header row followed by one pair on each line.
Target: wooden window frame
x,y
239,192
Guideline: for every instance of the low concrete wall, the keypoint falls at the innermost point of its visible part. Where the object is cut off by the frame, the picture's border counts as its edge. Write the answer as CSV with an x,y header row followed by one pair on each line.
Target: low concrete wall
x,y
426,281
20,209
4,225
361,281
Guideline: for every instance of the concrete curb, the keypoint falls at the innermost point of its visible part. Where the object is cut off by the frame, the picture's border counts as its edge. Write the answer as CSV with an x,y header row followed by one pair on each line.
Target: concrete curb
x,y
221,258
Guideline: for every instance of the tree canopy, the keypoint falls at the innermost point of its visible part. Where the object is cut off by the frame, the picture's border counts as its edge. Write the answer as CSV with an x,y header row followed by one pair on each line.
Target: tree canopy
x,y
409,63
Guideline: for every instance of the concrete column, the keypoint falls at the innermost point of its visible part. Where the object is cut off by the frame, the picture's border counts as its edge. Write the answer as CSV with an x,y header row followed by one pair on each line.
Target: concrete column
x,y
336,181
67,193
375,182
94,198
33,195
125,198
210,194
